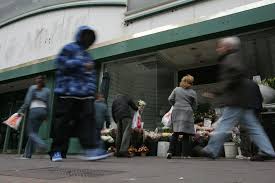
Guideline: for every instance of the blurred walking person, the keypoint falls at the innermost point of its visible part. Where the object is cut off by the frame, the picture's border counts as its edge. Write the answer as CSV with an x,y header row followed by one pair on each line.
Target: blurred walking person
x,y
184,101
121,112
36,106
237,96
75,89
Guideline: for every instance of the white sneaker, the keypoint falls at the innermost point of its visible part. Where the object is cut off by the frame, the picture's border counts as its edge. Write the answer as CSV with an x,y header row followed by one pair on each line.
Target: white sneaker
x,y
95,154
57,157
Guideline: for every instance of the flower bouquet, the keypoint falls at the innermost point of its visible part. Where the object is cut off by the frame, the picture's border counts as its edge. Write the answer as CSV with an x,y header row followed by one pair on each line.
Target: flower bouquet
x,y
111,149
151,135
132,150
143,150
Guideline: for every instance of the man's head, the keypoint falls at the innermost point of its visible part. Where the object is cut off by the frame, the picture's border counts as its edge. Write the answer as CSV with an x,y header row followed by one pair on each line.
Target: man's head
x,y
85,36
227,45
40,81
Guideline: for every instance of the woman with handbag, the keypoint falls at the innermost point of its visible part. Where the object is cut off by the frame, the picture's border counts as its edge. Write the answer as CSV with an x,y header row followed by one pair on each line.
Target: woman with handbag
x,y
36,104
184,102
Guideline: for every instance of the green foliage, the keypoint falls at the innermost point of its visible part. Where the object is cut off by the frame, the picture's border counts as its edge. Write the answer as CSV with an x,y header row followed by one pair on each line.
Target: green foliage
x,y
269,82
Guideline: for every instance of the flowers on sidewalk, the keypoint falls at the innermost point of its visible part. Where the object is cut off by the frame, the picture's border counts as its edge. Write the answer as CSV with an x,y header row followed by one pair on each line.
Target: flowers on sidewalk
x,y
143,149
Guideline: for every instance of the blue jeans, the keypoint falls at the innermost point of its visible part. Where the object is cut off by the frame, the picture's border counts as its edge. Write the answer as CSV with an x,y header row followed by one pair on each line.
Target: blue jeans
x,y
231,116
35,118
99,142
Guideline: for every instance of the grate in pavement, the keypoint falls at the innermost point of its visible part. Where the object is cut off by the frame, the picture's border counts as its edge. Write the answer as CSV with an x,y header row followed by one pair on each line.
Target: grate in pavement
x,y
53,173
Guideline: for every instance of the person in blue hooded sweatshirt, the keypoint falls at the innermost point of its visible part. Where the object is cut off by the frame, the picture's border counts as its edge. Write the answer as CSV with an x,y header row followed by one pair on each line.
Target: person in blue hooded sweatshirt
x,y
75,89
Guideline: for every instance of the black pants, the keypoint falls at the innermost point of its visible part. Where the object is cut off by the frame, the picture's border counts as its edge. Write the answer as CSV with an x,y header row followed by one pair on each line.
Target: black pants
x,y
186,144
81,111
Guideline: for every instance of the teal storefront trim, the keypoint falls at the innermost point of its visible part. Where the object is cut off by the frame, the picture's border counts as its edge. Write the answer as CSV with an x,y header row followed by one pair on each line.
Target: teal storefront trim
x,y
231,24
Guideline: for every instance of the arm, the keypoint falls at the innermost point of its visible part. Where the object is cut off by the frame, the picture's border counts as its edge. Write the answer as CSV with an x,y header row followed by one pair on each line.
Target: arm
x,y
48,101
195,102
27,101
113,113
132,104
172,98
66,61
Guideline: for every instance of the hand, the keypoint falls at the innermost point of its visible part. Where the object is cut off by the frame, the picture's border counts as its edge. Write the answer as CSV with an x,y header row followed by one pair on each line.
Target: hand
x,y
20,114
89,66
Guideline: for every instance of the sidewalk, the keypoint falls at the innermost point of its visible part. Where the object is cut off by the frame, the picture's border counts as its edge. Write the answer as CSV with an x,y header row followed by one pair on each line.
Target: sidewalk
x,y
134,170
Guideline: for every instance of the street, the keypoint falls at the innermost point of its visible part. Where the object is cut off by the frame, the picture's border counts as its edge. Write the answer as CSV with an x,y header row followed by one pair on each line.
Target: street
x,y
135,170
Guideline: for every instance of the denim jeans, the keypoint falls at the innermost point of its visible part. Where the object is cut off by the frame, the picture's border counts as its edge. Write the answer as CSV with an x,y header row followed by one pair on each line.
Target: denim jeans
x,y
231,116
35,119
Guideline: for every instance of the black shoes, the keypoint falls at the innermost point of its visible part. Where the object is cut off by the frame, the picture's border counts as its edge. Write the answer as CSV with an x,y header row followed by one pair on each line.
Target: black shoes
x,y
261,158
203,153
169,156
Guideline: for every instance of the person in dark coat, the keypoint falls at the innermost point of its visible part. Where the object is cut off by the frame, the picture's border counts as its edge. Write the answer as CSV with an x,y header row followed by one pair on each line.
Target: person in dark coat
x,y
121,112
247,147
101,116
184,101
236,96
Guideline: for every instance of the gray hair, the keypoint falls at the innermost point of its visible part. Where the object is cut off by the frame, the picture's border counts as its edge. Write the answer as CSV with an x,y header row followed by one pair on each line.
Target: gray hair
x,y
234,42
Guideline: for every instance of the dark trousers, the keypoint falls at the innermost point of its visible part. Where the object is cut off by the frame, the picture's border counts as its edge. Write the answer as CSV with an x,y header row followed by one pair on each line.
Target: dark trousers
x,y
186,144
123,137
70,109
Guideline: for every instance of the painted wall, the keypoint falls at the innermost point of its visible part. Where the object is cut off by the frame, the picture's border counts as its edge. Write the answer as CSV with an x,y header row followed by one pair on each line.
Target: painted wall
x,y
190,14
43,35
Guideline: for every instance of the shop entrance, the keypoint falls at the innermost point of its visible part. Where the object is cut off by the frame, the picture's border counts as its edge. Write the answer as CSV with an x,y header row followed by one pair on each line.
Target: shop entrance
x,y
152,77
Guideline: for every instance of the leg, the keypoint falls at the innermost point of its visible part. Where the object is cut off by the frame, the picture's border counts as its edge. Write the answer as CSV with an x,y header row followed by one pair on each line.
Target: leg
x,y
229,119
40,116
257,133
119,136
186,145
36,117
29,149
63,116
126,138
87,134
173,141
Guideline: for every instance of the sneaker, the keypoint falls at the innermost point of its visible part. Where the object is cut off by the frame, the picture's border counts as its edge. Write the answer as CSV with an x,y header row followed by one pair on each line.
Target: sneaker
x,y
169,156
95,154
24,157
56,157
203,153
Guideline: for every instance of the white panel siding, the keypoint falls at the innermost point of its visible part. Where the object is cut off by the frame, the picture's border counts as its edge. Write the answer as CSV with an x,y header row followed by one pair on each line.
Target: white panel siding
x,y
187,14
43,35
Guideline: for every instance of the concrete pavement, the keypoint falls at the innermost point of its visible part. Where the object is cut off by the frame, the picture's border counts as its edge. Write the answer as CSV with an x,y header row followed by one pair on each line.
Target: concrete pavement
x,y
134,170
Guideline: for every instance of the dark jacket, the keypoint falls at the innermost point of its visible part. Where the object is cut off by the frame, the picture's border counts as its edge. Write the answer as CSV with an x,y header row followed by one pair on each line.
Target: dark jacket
x,y
254,93
121,107
234,87
72,78
101,114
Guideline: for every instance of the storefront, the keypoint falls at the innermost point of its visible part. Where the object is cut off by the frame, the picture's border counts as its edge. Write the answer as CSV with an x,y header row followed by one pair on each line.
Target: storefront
x,y
151,77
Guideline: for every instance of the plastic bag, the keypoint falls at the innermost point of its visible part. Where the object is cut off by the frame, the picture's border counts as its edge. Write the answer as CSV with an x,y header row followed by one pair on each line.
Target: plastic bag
x,y
14,121
267,92
166,119
136,123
